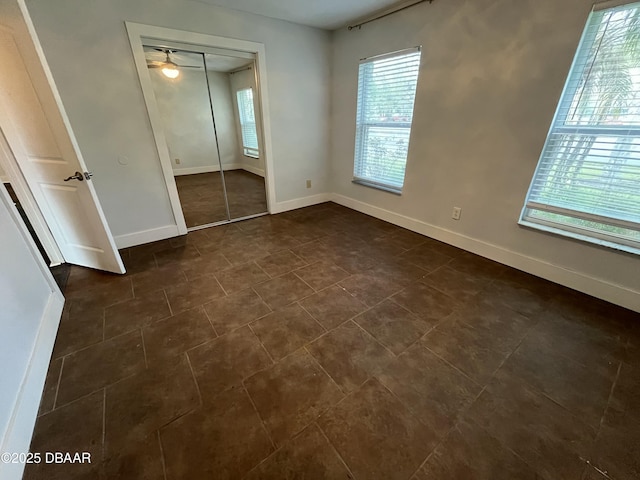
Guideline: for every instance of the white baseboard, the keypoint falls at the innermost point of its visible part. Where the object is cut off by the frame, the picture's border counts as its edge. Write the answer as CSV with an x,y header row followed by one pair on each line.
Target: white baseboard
x,y
195,170
300,202
146,236
17,437
209,169
595,287
252,169
170,231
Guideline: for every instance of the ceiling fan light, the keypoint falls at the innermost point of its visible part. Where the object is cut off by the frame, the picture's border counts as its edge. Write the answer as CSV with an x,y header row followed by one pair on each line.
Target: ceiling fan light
x,y
170,71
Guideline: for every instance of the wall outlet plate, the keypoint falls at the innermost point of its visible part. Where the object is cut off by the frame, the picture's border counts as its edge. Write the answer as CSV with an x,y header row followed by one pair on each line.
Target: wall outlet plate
x,y
457,211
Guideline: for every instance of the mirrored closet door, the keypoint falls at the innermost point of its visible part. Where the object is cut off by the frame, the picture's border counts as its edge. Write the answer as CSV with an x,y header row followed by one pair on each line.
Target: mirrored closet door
x,y
208,105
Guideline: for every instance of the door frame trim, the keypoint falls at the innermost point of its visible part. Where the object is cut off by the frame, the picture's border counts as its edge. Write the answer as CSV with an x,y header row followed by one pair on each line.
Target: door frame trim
x,y
14,176
136,33
35,64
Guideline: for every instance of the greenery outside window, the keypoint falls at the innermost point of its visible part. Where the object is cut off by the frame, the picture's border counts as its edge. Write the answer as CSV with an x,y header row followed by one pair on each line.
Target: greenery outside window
x,y
247,122
587,183
386,95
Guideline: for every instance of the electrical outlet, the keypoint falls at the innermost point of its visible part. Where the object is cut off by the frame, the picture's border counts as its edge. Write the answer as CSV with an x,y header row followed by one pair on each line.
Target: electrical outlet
x,y
457,211
308,183
177,161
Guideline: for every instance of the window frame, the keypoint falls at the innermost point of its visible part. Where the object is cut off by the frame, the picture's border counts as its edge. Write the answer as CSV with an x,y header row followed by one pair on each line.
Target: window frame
x,y
363,127
248,151
579,232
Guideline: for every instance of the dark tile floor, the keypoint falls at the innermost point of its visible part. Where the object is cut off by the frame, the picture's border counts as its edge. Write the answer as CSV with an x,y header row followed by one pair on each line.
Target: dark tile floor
x,y
202,196
323,343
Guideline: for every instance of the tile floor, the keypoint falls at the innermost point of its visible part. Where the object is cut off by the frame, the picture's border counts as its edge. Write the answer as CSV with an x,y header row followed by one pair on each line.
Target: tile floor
x,y
325,344
202,196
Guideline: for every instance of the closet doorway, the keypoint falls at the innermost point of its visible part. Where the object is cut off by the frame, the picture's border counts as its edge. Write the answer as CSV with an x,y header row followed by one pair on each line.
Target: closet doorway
x,y
207,103
209,117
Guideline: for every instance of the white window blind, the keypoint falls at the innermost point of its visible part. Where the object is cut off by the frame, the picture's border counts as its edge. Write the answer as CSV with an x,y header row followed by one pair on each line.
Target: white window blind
x,y
587,183
386,94
247,122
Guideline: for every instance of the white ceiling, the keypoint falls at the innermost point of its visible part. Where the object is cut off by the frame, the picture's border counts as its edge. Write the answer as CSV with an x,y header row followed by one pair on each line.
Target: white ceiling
x,y
216,63
328,14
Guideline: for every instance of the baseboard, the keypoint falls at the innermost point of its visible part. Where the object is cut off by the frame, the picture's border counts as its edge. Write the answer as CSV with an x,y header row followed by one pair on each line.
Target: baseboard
x,y
300,202
178,172
602,289
17,437
252,169
146,236
210,169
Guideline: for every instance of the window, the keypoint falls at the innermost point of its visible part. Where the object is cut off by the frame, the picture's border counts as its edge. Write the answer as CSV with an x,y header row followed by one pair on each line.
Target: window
x,y
386,93
247,122
587,183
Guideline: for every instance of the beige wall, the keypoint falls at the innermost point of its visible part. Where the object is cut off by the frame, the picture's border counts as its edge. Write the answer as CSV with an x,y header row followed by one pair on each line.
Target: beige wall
x,y
87,48
185,110
29,317
492,73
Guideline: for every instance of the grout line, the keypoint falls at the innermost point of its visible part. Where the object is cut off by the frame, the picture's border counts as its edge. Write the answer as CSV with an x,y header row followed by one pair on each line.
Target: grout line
x,y
314,318
315,360
133,293
162,460
104,323
456,368
144,349
264,426
367,334
436,447
273,362
613,386
264,460
168,303
259,296
263,270
104,422
218,282
193,375
303,281
344,463
210,322
231,265
55,398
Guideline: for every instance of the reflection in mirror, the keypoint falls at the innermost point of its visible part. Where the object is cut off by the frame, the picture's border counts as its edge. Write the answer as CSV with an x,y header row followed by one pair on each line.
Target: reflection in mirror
x,y
208,104
185,110
245,183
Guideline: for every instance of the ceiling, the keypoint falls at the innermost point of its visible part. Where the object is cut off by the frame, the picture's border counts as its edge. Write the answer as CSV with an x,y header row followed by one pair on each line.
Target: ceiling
x,y
216,63
327,14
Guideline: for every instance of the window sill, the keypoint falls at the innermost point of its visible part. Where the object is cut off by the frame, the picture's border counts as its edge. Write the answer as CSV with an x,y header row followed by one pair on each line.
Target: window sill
x,y
378,186
579,236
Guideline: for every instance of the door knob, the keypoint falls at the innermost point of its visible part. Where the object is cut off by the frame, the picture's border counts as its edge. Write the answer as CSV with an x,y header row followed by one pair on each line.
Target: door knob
x,y
77,176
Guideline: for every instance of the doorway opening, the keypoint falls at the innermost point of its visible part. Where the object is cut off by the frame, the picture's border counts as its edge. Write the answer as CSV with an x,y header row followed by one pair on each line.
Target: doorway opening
x,y
59,271
209,116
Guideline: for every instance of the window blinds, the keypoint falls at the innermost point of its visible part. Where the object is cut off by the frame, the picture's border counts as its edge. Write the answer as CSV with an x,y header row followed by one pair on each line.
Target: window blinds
x,y
386,94
588,177
247,122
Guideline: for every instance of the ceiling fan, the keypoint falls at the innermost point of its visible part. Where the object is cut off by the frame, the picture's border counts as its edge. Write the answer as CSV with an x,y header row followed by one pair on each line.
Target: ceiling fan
x,y
169,68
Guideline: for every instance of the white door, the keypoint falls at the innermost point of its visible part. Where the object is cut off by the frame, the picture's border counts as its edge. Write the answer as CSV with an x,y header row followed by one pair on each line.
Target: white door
x,y
46,154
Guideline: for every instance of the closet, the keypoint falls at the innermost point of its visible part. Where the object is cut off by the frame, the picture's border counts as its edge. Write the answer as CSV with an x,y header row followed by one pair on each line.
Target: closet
x,y
208,102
